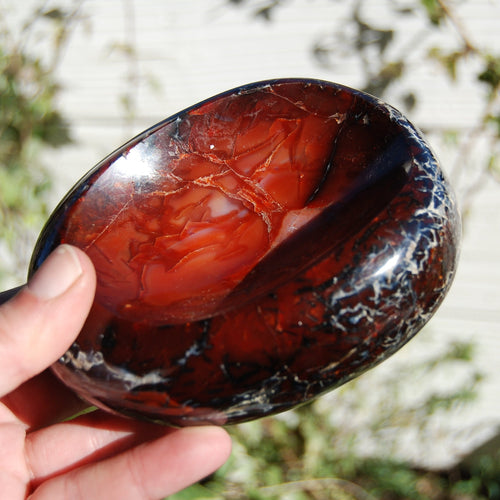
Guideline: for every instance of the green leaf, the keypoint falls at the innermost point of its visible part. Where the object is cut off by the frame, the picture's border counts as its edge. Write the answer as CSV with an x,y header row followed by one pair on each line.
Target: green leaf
x,y
434,11
54,14
409,100
448,60
491,72
388,74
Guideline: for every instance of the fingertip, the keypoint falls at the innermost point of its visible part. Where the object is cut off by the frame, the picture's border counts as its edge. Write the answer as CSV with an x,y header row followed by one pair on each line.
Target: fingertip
x,y
189,455
221,438
62,269
214,440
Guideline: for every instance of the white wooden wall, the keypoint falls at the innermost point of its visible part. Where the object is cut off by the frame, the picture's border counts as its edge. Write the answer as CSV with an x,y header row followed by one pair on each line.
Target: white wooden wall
x,y
193,49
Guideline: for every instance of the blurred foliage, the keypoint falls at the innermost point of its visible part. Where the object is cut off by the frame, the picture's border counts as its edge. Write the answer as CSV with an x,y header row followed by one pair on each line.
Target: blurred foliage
x,y
29,121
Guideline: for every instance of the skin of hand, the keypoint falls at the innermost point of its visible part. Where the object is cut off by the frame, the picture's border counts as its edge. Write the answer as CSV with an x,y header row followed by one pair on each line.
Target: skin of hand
x,y
96,455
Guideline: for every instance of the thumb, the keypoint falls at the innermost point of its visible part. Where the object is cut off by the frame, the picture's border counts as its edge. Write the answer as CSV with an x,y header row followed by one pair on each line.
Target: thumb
x,y
39,324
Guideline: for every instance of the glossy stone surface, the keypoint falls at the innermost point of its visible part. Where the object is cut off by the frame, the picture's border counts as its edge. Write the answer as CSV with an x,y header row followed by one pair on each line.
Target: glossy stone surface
x,y
254,251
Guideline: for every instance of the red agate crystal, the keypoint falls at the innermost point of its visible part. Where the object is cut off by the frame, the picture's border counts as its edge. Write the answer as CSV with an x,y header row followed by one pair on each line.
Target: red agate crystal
x,y
254,251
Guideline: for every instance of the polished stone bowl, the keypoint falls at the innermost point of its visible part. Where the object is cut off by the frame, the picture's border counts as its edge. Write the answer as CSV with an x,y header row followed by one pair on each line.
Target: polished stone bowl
x,y
254,251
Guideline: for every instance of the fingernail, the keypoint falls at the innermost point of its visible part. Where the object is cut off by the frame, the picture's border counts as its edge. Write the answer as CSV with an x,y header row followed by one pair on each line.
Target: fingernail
x,y
61,269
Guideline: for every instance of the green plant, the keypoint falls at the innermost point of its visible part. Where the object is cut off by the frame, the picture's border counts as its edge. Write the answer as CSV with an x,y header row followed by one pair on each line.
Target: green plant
x,y
29,121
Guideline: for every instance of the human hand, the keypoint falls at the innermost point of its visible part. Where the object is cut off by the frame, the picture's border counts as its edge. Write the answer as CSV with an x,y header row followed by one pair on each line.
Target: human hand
x,y
95,455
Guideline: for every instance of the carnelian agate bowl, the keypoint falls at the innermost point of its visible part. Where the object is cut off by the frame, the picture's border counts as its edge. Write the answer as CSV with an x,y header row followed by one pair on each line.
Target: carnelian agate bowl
x,y
254,251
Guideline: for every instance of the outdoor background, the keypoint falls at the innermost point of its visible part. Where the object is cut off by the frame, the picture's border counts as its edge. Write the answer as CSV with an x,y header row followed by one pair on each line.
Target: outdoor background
x,y
79,78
